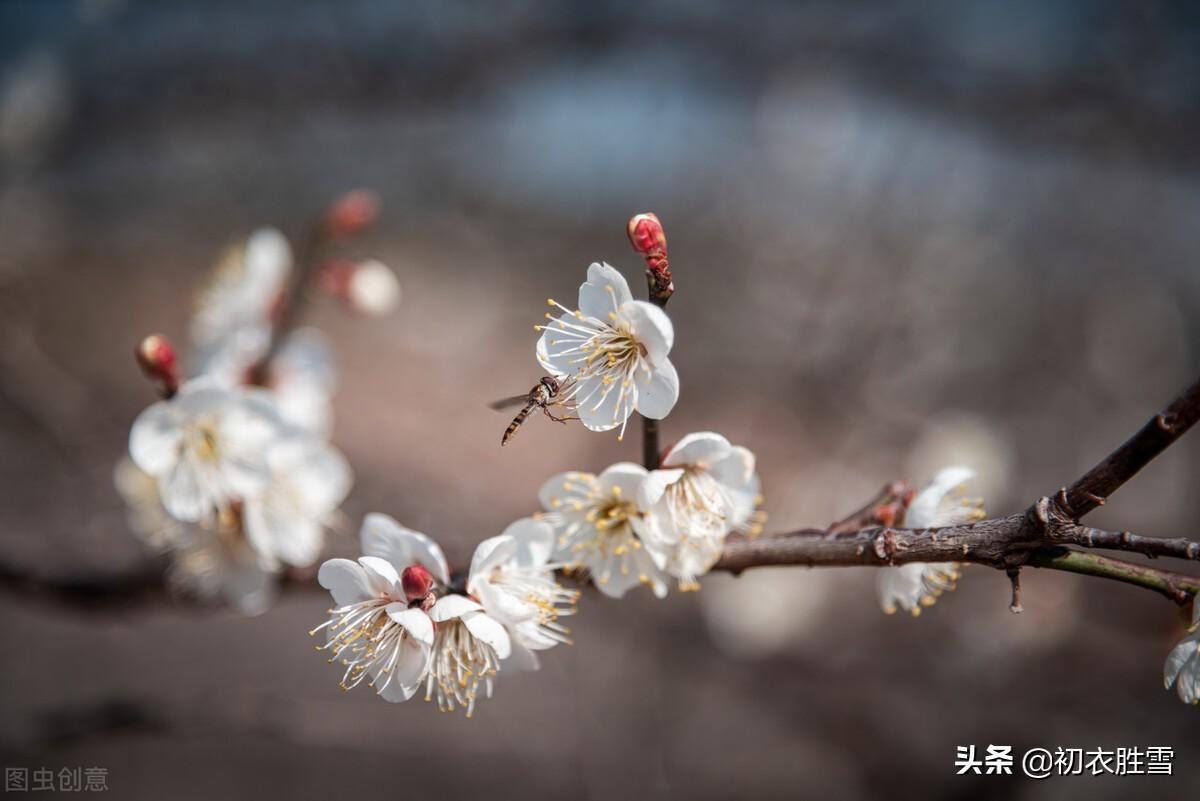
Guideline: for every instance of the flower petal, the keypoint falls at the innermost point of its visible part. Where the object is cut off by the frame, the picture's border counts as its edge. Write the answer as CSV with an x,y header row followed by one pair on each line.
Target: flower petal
x,y
414,621
701,449
154,438
655,484
534,538
625,477
449,607
650,326
658,391
923,510
346,581
605,290
490,554
383,537
604,406
570,485
186,493
382,576
490,631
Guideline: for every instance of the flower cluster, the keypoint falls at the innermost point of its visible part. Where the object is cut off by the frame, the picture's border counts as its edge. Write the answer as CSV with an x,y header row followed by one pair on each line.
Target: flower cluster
x,y
629,526
232,473
400,622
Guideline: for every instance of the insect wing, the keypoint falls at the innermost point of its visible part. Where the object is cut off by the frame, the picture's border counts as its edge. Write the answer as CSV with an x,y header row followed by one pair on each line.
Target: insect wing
x,y
509,402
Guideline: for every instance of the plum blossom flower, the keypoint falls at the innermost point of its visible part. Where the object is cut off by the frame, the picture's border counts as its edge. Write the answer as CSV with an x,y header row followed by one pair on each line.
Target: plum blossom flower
x,y
705,489
941,503
211,562
512,576
1183,663
600,527
205,447
285,523
398,622
231,328
615,348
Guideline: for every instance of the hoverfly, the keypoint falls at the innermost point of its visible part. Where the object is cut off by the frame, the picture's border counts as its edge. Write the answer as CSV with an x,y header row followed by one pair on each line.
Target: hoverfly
x,y
546,394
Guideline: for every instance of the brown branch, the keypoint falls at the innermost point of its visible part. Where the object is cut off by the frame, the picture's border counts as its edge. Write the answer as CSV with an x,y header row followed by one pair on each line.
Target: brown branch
x,y
1096,485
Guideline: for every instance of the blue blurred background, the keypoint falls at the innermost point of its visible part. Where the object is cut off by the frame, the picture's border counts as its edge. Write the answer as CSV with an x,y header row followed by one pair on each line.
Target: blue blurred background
x,y
903,234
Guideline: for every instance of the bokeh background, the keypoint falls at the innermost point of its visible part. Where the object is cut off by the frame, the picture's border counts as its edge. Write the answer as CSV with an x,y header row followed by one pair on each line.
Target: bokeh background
x,y
904,234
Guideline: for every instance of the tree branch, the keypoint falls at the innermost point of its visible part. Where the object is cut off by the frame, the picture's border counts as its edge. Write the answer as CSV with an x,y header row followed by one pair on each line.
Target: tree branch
x,y
1095,486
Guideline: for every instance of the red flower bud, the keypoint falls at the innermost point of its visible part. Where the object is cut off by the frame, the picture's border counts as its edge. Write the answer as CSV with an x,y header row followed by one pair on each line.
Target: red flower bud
x,y
351,214
648,238
156,357
417,582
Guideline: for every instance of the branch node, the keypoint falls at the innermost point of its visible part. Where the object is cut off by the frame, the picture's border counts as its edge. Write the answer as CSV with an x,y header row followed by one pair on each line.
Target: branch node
x,y
1193,550
1165,421
1014,576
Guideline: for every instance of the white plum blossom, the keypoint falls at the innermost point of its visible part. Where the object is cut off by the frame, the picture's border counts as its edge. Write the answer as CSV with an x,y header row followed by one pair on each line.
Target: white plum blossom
x,y
600,527
398,622
614,349
231,328
206,447
705,489
1183,663
372,630
513,577
285,523
941,503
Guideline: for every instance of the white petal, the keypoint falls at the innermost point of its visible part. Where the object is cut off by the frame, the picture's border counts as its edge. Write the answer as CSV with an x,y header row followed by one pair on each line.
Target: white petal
x,y
564,485
383,537
736,470
490,554
605,290
407,674
414,621
154,438
701,449
603,407
650,326
279,534
1188,648
522,658
490,631
922,512
626,477
346,581
655,484
534,538
449,607
315,473
382,576
186,493
657,392
502,605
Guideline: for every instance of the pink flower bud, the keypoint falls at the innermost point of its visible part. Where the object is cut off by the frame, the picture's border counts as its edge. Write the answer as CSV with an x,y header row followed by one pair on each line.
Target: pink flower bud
x,y
156,357
417,582
351,214
648,238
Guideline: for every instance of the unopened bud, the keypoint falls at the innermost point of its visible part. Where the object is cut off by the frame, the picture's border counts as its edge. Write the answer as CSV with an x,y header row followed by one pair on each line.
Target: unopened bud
x,y
156,357
417,582
351,214
648,238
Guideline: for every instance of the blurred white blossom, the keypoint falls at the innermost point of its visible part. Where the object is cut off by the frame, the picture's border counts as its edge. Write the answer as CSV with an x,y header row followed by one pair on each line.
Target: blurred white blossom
x,y
373,289
941,503
206,447
615,348
1183,663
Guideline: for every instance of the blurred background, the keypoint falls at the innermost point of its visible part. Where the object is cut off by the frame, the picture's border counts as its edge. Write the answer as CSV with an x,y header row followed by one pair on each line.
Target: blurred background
x,y
903,234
